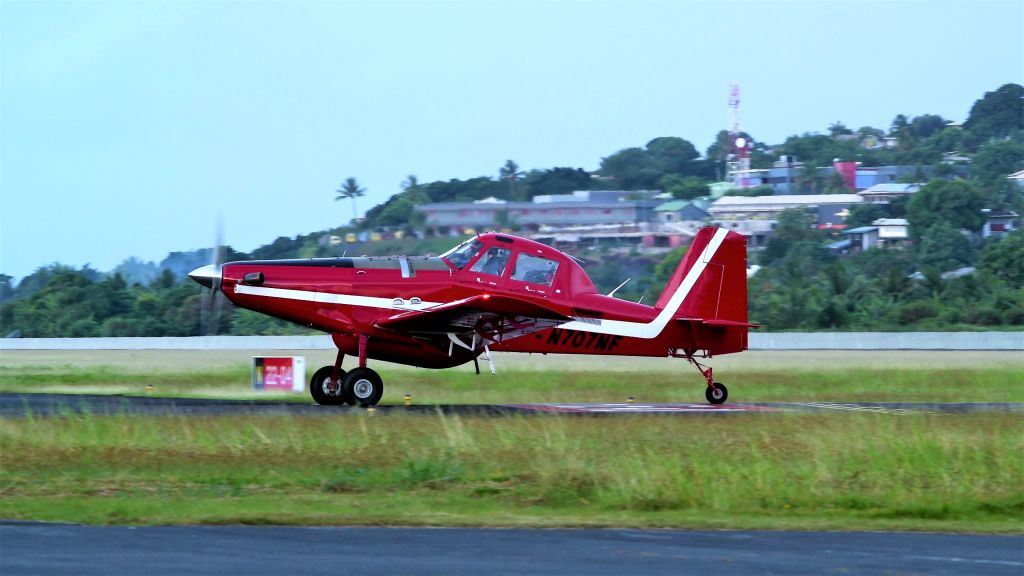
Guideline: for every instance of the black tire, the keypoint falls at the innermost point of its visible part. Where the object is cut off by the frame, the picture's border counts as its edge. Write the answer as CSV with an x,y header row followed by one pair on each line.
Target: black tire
x,y
319,387
718,395
363,386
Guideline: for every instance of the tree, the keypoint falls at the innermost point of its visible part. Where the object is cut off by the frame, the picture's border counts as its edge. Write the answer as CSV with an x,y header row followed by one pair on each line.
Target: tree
x,y
1004,258
900,128
411,182
554,181
997,160
630,169
943,247
865,131
686,188
926,125
864,214
997,114
957,203
792,226
808,178
510,172
835,184
671,155
6,287
838,129
642,168
350,189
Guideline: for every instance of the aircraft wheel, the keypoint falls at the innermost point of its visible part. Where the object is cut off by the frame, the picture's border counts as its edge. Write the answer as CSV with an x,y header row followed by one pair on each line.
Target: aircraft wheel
x,y
320,387
363,386
718,395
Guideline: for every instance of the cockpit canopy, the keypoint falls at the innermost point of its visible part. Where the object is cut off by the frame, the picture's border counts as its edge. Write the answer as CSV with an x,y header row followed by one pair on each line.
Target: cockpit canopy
x,y
518,260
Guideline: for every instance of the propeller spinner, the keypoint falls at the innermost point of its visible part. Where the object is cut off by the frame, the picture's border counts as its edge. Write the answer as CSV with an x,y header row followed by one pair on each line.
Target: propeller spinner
x,y
208,276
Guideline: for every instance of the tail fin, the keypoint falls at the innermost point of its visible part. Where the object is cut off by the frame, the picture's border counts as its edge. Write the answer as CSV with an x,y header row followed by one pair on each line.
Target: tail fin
x,y
713,277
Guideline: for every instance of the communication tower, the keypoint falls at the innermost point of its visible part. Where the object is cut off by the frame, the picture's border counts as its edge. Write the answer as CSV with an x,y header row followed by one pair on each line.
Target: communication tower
x,y
737,162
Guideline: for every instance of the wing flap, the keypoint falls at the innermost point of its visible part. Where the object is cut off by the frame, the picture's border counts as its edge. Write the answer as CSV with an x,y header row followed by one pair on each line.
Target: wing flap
x,y
488,315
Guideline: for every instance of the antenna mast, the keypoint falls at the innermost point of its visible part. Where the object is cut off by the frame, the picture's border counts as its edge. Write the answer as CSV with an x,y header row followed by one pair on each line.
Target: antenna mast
x,y
738,160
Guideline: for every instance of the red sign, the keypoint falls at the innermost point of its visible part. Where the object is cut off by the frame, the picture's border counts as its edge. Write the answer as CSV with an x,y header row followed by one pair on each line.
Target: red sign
x,y
279,374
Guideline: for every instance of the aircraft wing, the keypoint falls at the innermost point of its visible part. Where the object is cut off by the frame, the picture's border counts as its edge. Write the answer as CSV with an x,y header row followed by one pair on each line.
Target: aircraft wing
x,y
496,318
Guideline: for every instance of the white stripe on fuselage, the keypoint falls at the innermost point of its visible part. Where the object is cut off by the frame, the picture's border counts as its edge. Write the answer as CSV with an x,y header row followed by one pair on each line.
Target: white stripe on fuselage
x,y
331,298
646,330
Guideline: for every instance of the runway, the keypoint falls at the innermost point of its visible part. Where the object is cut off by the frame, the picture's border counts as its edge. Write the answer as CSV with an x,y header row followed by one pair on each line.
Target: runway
x,y
17,405
58,549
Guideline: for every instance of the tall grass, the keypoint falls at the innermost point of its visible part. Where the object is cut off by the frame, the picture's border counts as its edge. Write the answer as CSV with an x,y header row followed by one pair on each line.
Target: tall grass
x,y
860,470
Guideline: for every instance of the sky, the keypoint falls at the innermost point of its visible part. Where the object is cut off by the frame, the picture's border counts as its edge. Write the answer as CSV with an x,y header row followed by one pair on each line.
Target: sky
x,y
127,127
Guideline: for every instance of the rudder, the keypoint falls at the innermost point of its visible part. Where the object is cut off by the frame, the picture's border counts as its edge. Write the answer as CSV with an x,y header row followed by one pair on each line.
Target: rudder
x,y
719,294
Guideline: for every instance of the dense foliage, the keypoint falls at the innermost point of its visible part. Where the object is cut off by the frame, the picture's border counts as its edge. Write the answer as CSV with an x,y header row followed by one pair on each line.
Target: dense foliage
x,y
801,286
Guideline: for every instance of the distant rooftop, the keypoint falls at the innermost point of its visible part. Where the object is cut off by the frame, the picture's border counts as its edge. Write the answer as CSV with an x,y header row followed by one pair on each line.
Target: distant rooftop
x,y
787,199
890,222
672,206
861,230
892,188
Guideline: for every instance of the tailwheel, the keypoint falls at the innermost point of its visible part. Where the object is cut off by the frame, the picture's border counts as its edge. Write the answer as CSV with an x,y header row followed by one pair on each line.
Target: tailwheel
x,y
718,394
363,386
324,391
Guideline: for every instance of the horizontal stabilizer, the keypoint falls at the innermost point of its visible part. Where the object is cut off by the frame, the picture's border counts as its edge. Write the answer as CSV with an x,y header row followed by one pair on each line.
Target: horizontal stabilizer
x,y
730,323
716,322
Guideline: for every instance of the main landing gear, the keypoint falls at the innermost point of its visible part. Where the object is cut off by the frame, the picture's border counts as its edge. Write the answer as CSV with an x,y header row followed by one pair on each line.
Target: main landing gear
x,y
331,385
716,392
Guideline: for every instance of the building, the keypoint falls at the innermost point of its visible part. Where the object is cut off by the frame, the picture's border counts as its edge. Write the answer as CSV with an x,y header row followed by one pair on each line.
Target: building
x,y
862,238
828,207
888,191
999,222
681,211
891,230
553,211
882,232
866,177
1017,178
787,176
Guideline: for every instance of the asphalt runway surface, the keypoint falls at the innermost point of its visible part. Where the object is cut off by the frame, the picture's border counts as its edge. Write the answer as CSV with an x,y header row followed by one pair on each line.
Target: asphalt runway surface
x,y
56,549
16,405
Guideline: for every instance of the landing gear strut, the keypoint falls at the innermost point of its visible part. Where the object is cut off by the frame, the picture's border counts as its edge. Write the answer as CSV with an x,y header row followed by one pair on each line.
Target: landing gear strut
x,y
716,392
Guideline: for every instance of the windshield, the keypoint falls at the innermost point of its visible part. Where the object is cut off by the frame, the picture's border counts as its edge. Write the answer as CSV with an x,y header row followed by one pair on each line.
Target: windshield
x,y
463,253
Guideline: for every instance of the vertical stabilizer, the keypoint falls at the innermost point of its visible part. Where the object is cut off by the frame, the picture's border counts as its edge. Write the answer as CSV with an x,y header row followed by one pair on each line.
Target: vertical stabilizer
x,y
715,271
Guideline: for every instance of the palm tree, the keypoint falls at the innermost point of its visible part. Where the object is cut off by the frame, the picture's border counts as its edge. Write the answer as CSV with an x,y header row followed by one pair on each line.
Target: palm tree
x,y
808,179
838,129
350,189
410,182
510,171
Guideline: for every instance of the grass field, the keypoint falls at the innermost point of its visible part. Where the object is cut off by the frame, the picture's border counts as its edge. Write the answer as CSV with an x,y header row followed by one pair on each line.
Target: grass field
x,y
852,471
796,471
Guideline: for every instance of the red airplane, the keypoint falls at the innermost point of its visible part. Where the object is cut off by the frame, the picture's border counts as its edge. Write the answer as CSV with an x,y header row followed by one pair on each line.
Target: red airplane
x,y
493,292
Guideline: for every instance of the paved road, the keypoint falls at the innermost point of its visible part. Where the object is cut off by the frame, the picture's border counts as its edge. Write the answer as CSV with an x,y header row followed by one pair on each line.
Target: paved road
x,y
50,404
55,549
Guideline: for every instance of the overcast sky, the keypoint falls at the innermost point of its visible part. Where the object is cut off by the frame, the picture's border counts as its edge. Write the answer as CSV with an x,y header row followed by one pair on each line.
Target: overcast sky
x,y
126,126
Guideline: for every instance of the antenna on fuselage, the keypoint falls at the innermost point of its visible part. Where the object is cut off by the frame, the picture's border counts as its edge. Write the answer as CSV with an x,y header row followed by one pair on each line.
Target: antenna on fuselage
x,y
640,301
612,293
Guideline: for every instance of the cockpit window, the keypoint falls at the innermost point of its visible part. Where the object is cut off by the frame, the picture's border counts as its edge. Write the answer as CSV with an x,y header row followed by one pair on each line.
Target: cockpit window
x,y
534,269
493,262
463,253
